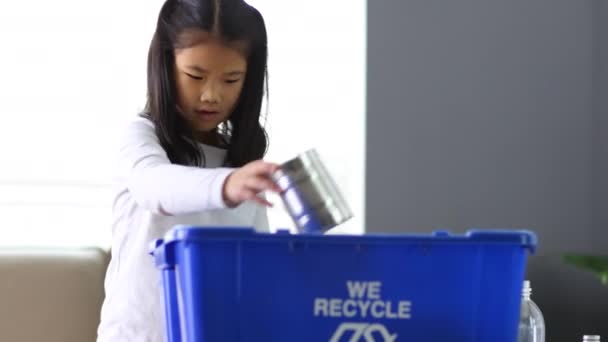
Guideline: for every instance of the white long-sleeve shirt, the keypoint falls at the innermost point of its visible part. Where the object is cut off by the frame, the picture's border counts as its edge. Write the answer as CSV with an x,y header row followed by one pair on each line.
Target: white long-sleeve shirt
x,y
151,195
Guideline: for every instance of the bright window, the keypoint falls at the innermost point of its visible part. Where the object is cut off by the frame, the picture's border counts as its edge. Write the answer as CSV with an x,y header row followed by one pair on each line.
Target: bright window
x,y
72,71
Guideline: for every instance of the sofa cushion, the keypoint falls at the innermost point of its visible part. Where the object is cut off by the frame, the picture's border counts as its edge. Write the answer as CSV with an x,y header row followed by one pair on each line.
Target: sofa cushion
x,y
51,294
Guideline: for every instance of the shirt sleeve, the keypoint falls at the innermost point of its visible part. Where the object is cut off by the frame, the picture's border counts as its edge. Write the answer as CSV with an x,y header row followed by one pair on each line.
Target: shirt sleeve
x,y
160,186
261,218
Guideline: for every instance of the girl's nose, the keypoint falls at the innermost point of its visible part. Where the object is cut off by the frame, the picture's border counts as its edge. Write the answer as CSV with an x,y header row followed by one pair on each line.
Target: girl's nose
x,y
210,93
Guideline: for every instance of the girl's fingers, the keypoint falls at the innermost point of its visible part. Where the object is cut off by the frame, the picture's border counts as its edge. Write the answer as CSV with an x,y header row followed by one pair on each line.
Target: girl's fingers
x,y
261,167
259,184
253,197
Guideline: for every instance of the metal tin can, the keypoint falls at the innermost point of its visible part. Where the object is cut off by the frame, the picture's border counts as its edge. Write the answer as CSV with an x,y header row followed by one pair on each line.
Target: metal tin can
x,y
310,194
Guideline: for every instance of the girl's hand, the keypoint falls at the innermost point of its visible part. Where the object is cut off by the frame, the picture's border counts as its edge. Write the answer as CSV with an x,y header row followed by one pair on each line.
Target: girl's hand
x,y
247,182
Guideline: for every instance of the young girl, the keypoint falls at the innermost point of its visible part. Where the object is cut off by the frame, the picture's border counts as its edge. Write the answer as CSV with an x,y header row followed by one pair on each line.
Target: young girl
x,y
193,157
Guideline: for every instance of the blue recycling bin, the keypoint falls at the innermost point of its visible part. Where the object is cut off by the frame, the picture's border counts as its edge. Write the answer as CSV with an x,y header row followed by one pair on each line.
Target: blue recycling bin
x,y
235,285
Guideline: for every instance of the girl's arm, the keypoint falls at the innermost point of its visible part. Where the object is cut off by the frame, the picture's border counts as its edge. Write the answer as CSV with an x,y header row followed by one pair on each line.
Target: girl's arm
x,y
162,187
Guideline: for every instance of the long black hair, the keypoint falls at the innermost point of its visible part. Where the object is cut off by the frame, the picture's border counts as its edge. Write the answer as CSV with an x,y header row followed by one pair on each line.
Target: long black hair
x,y
231,21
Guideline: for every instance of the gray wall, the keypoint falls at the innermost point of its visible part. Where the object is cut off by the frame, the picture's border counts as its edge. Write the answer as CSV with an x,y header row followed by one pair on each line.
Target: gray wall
x,y
601,137
490,114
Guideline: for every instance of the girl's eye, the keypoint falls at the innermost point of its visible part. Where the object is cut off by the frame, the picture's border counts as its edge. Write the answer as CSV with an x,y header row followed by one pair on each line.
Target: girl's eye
x,y
232,81
193,77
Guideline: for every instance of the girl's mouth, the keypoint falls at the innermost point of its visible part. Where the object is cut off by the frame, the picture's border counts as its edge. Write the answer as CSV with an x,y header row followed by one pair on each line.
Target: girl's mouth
x,y
206,114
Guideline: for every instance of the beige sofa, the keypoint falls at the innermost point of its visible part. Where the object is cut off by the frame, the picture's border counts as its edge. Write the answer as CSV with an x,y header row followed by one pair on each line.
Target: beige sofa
x,y
51,295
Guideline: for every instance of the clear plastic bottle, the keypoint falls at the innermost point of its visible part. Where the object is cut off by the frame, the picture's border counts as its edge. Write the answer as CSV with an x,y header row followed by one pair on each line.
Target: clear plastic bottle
x,y
591,338
531,321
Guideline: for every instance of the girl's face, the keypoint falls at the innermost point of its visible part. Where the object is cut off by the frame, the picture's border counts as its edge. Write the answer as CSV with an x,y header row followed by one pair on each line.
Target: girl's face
x,y
209,78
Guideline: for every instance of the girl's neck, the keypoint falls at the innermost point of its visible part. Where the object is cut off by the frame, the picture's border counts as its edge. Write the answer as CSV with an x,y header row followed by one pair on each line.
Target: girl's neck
x,y
212,138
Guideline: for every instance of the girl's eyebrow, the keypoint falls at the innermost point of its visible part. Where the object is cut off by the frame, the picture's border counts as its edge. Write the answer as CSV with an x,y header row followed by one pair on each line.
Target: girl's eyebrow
x,y
202,71
196,68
